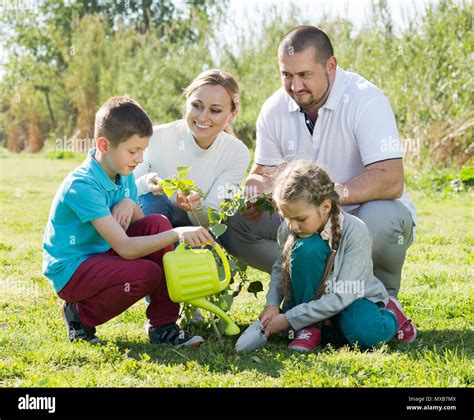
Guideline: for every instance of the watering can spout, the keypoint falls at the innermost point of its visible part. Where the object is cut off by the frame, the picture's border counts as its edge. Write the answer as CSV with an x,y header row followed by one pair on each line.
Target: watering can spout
x,y
231,327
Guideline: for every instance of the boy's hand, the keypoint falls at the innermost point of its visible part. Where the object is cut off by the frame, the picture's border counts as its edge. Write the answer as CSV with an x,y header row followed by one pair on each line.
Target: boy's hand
x,y
190,202
276,325
123,212
267,314
152,181
194,235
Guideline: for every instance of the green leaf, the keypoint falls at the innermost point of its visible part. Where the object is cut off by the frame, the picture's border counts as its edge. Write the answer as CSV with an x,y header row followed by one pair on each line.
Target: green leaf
x,y
241,264
220,272
183,171
255,287
169,187
233,267
225,302
242,205
218,229
213,215
238,290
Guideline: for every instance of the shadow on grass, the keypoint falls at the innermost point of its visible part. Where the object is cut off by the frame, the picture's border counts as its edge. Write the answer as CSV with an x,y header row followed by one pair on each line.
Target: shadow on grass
x,y
220,356
217,356
438,341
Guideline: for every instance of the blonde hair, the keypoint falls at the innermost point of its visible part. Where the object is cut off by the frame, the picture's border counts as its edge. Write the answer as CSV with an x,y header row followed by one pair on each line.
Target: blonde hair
x,y
304,181
217,77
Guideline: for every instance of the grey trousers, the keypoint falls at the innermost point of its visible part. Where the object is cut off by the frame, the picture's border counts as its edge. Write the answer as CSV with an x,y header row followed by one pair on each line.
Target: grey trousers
x,y
389,222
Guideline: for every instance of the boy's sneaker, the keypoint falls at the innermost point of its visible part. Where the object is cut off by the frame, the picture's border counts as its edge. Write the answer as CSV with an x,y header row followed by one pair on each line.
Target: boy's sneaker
x,y
75,329
406,328
306,339
171,334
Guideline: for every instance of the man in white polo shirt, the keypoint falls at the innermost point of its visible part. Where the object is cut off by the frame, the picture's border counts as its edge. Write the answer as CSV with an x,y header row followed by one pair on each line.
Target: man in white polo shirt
x,y
346,125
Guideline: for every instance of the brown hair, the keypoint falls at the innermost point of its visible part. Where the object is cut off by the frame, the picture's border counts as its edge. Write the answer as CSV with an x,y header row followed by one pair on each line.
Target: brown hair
x,y
218,77
120,118
303,180
305,36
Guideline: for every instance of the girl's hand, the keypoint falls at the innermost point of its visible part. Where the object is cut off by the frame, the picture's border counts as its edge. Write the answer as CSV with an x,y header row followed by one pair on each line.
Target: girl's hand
x,y
276,325
194,235
123,212
152,181
190,202
268,313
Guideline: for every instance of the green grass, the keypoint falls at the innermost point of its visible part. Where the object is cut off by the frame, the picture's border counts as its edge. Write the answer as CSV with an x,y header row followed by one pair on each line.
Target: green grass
x,y
436,293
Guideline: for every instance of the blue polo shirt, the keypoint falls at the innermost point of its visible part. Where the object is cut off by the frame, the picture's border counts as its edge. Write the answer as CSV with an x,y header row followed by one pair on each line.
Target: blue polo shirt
x,y
86,194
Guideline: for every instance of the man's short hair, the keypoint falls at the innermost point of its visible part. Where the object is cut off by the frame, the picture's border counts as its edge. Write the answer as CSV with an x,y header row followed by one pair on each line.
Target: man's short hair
x,y
302,37
119,119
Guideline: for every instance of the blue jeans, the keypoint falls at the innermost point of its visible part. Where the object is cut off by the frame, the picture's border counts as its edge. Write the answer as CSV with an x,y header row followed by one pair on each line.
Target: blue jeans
x,y
365,323
307,264
161,204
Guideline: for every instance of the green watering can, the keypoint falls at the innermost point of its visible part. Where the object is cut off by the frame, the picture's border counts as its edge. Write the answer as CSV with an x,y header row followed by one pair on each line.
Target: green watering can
x,y
191,276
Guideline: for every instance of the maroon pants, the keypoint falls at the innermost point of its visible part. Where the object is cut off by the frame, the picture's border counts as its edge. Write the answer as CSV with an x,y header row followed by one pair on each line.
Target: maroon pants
x,y
106,284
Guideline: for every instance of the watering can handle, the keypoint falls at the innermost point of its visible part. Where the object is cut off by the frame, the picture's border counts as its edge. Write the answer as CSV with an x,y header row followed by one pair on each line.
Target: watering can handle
x,y
224,283
225,262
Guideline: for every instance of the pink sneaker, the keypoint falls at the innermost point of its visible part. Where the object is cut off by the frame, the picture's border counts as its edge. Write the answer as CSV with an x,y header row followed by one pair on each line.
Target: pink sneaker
x,y
307,339
406,328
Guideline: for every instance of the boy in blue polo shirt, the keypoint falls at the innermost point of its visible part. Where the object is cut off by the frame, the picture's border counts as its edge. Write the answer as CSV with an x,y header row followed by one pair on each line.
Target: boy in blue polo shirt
x,y
99,251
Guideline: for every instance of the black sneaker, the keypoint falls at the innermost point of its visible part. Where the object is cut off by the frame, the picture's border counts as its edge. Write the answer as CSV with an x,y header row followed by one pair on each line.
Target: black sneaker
x,y
172,335
75,329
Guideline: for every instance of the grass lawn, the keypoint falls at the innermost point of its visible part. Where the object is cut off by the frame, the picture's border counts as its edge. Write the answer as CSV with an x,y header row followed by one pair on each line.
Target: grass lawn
x,y
437,292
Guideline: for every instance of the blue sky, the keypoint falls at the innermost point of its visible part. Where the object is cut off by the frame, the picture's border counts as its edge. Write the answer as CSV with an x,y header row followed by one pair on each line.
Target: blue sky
x,y
355,10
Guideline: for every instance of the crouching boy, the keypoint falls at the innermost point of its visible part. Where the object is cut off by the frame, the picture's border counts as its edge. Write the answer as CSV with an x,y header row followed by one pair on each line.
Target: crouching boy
x,y
99,251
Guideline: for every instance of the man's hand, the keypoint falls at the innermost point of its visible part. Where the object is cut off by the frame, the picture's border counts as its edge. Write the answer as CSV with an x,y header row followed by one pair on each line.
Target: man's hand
x,y
252,212
194,235
342,192
277,324
255,185
190,202
123,212
152,181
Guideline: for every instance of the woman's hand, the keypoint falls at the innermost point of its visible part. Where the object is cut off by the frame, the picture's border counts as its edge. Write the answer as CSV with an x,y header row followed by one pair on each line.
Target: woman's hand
x,y
194,235
152,183
277,324
190,202
123,212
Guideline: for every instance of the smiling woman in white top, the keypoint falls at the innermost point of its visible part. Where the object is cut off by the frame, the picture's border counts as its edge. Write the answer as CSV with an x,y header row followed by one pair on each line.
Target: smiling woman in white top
x,y
203,140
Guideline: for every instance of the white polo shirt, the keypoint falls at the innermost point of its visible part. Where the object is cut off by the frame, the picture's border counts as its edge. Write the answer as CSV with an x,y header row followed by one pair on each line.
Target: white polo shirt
x,y
355,128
